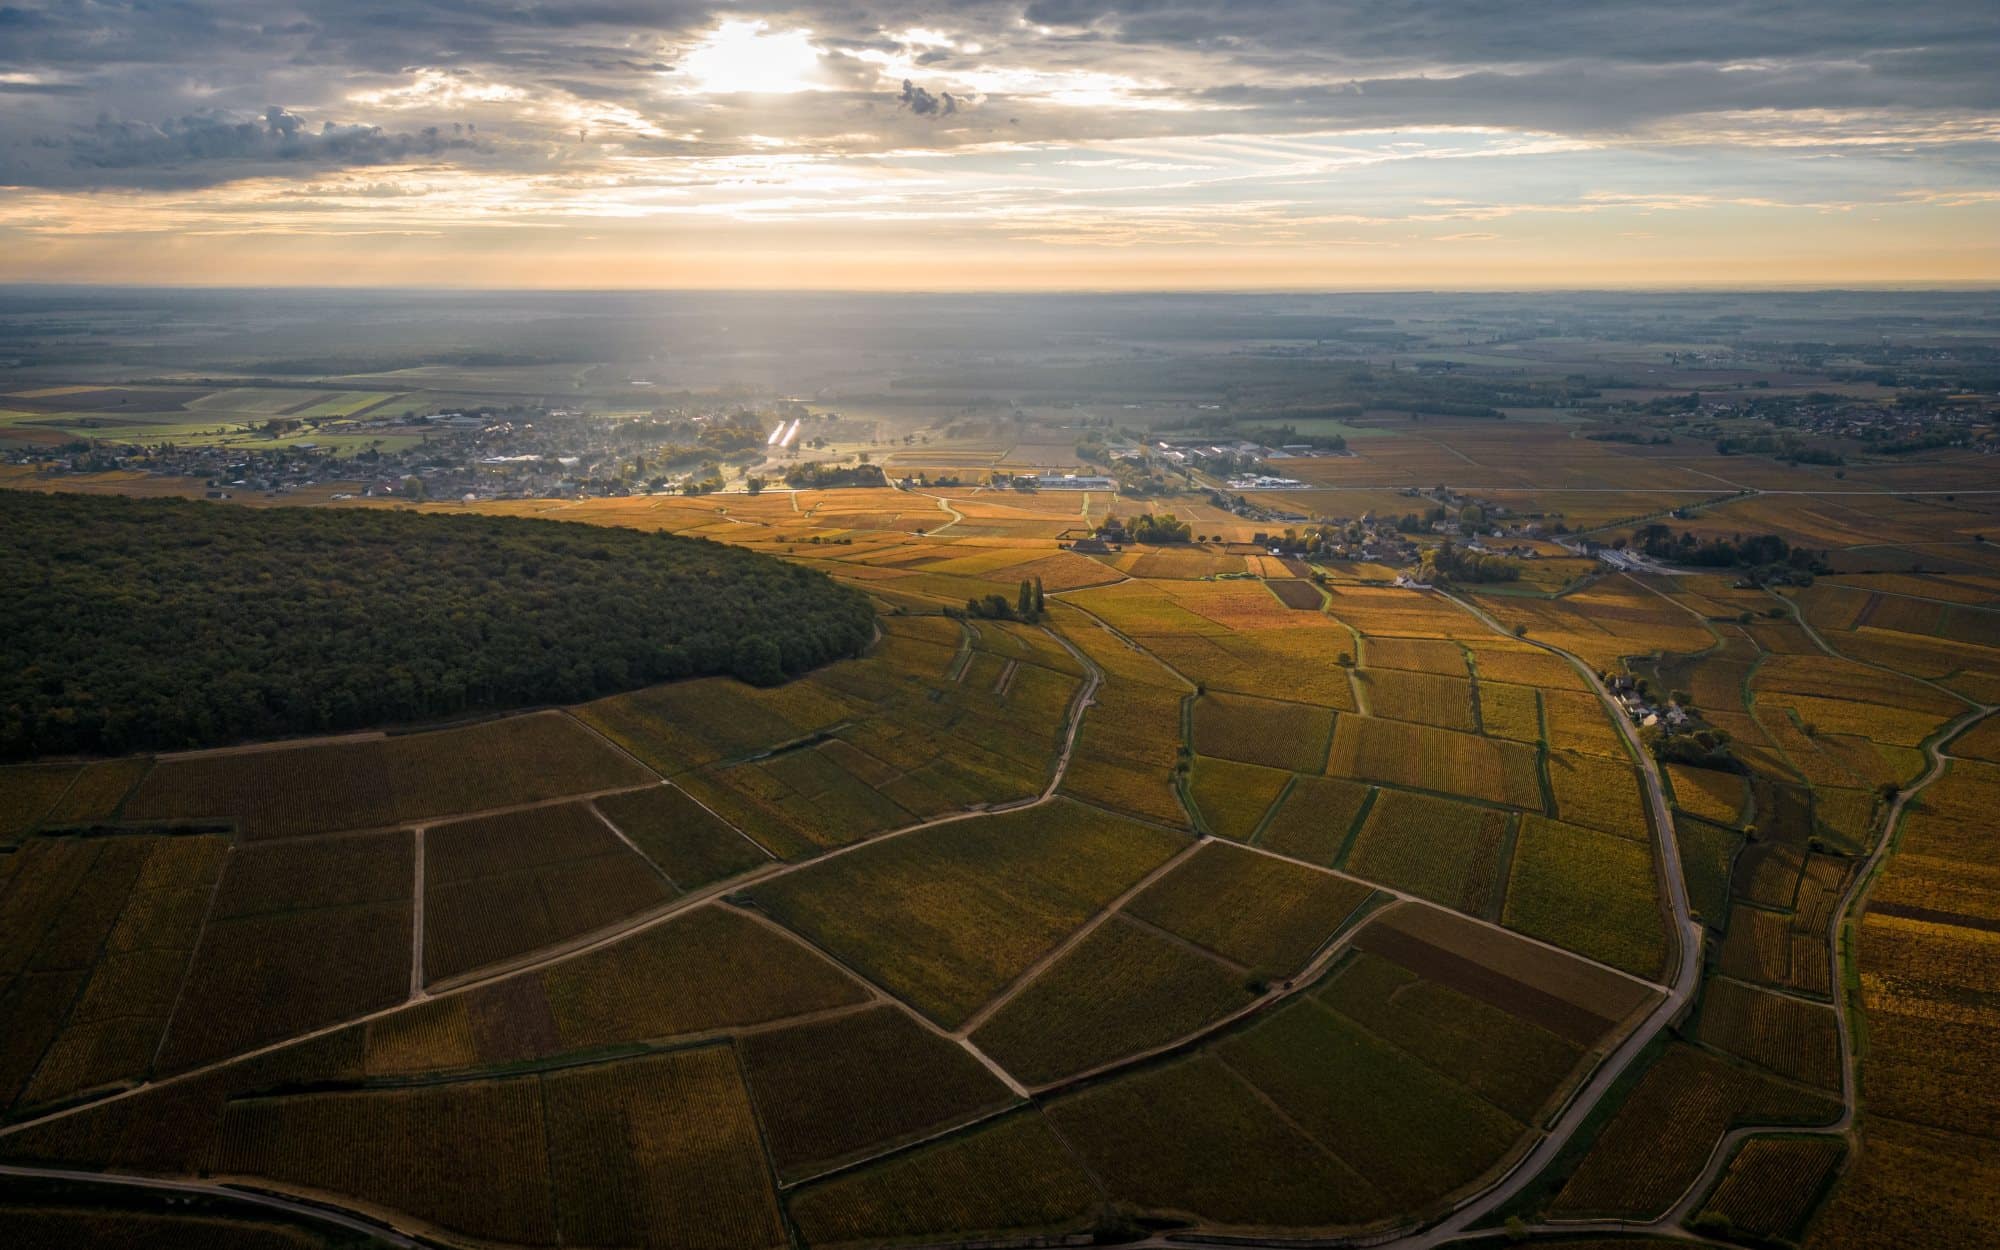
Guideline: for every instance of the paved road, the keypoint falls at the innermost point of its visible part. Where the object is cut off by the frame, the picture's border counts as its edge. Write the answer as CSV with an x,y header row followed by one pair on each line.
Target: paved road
x,y
1673,1223
1679,992
307,1210
1681,988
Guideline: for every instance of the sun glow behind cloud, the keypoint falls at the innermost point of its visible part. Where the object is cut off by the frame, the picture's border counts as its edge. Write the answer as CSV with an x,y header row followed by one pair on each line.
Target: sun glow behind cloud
x,y
749,57
1322,147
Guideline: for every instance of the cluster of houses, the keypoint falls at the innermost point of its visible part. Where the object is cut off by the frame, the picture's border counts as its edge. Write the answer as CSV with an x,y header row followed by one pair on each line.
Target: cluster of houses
x,y
1644,712
457,454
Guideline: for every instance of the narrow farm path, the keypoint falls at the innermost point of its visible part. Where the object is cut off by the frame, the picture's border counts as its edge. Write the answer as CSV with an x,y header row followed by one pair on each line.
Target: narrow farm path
x,y
1674,1222
417,993
943,504
638,923
1850,910
1791,606
883,996
1071,942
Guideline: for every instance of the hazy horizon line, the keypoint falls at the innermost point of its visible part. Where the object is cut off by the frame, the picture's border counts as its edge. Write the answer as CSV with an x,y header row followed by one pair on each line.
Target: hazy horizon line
x,y
1968,285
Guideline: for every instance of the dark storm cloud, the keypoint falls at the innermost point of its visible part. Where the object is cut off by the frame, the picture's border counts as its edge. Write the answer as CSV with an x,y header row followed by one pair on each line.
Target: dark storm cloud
x,y
277,136
1584,68
204,148
925,104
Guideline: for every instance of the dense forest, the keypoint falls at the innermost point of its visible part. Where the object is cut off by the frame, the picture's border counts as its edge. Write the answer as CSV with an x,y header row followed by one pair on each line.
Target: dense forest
x,y
148,624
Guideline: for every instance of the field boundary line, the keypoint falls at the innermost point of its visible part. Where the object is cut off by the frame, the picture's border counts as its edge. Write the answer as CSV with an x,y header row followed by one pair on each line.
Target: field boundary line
x,y
187,973
417,992
1405,896
1033,971
618,833
664,780
429,822
1286,988
1187,944
888,999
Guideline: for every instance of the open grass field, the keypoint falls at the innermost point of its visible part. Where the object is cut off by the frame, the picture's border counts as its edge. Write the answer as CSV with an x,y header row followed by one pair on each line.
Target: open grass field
x,y
368,783
1011,1178
1315,819
1412,1131
710,969
99,935
948,917
1269,732
300,935
854,1085
1194,1139
1259,912
1506,1059
1588,892
1773,1184
1657,1143
1124,989
1232,798
1450,853
505,885
1420,757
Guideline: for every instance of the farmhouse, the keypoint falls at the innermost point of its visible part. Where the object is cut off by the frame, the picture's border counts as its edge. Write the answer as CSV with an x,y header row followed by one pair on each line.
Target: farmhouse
x,y
1074,481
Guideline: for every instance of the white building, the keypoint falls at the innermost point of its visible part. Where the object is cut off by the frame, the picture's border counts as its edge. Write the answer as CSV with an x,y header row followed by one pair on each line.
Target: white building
x,y
1073,481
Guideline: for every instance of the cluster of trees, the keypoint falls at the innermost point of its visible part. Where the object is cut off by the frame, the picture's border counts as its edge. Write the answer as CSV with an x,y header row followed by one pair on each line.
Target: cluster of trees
x,y
1289,436
1028,605
1919,442
1758,551
815,476
1706,747
1145,480
1785,446
160,624
1159,527
1449,563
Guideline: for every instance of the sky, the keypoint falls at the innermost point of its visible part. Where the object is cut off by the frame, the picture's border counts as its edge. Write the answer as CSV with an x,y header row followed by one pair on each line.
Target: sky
x,y
1000,144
